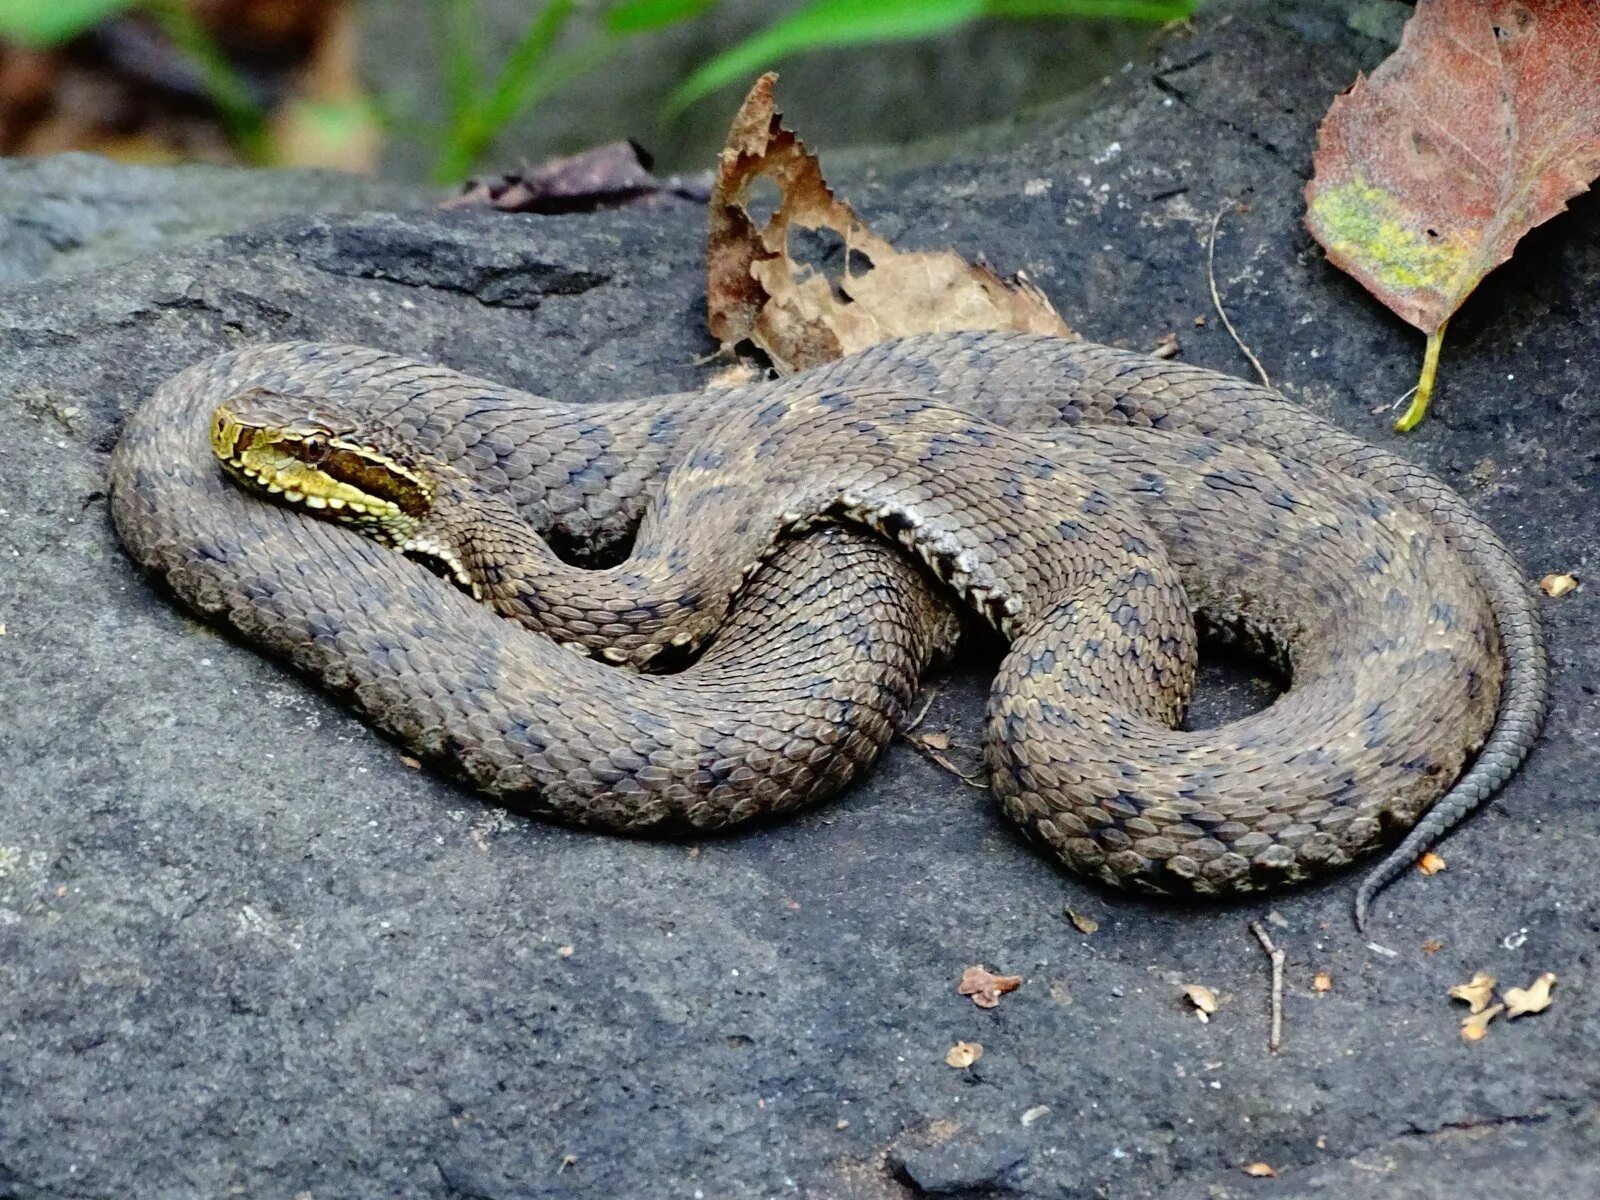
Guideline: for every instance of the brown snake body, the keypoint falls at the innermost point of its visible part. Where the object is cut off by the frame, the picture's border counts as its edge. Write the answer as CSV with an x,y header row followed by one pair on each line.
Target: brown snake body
x,y
1081,499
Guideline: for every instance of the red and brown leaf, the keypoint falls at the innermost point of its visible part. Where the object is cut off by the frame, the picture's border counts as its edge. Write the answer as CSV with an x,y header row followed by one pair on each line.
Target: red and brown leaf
x,y
1482,125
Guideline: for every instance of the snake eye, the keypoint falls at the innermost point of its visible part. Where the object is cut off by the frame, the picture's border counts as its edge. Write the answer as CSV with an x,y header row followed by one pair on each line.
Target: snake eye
x,y
315,447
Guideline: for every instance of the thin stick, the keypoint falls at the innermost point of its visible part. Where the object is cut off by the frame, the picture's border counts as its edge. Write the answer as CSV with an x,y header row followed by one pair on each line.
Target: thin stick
x,y
933,694
1275,1038
1216,298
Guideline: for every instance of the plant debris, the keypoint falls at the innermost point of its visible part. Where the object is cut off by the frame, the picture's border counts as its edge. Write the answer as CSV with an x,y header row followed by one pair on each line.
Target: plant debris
x,y
1556,586
1322,982
1477,994
986,988
1430,863
758,291
1474,1027
1481,125
1081,922
1203,999
963,1054
1259,1170
1534,998
615,175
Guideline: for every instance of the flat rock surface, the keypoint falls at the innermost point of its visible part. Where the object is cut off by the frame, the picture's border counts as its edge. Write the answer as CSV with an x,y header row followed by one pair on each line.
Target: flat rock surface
x,y
244,950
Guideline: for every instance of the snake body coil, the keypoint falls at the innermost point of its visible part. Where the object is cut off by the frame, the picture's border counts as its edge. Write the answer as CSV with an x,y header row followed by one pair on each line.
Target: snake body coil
x,y
1081,499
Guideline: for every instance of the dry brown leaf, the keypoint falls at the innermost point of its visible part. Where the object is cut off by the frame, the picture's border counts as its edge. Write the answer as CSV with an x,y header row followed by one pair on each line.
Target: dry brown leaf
x,y
1430,863
1474,1027
1556,586
407,761
933,740
1259,1170
1532,999
963,1054
1432,946
1322,982
1167,347
757,291
615,175
1082,923
1482,124
1203,999
1477,993
986,988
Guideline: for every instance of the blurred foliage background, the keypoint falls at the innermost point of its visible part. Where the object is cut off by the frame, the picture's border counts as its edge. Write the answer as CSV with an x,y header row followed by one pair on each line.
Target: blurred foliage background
x,y
438,89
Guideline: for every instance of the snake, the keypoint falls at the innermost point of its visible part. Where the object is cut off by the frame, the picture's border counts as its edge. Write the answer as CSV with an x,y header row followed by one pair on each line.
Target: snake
x,y
688,611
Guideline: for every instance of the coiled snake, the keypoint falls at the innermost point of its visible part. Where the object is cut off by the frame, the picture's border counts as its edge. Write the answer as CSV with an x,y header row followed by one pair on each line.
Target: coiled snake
x,y
1082,500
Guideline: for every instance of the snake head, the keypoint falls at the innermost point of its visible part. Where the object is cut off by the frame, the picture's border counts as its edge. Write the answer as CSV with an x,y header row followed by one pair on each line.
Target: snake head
x,y
313,455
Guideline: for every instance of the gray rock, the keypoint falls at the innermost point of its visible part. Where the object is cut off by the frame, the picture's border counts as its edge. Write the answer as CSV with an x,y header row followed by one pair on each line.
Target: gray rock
x,y
75,213
244,950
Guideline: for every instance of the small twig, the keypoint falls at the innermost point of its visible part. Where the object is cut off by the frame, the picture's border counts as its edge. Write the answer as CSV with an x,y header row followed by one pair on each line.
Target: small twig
x,y
1397,401
1216,298
933,694
1275,1038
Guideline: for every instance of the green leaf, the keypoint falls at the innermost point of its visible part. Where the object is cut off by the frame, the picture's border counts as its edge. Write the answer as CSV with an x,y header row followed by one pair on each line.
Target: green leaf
x,y
642,16
1097,10
48,22
826,23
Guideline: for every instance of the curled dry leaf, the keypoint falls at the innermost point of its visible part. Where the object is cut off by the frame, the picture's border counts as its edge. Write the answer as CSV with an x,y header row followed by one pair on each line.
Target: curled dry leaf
x,y
611,176
985,988
1482,124
1259,1170
1167,347
1081,922
1477,993
963,1054
1322,982
1203,999
1531,999
1474,1027
1430,863
757,291
1556,586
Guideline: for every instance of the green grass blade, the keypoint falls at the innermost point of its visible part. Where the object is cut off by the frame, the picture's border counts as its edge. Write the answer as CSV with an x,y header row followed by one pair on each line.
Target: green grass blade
x,y
50,22
457,25
643,16
825,23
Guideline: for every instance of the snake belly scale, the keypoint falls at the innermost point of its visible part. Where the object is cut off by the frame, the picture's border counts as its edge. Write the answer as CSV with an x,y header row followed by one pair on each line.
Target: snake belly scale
x,y
1082,500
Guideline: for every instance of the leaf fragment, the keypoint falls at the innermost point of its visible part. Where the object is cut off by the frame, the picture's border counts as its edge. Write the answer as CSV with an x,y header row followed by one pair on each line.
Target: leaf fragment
x,y
1082,922
758,291
986,988
1430,863
1474,1027
1557,585
1477,994
963,1054
1259,1170
1322,982
1203,999
1481,125
1532,999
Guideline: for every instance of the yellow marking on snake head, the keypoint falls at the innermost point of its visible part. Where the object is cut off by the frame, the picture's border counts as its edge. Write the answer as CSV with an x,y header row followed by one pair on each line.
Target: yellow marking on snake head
x,y
314,455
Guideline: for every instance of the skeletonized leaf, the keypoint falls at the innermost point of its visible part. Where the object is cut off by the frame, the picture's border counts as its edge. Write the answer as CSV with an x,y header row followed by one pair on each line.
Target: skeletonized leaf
x,y
1481,125
756,289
